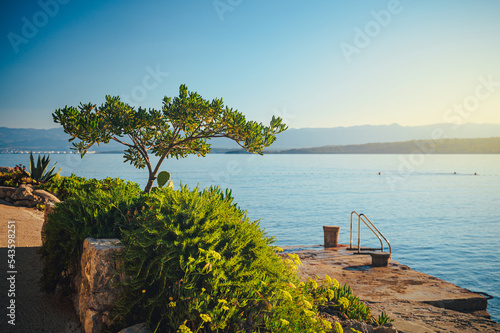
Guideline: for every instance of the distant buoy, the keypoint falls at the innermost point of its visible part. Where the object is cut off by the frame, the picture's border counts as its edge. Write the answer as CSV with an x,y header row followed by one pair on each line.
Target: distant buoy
x,y
455,173
475,173
379,173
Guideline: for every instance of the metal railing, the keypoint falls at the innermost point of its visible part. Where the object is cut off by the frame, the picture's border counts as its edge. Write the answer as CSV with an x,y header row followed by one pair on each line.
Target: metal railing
x,y
371,226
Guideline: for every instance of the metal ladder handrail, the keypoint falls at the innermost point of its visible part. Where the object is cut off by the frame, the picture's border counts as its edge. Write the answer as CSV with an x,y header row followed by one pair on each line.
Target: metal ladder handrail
x,y
370,225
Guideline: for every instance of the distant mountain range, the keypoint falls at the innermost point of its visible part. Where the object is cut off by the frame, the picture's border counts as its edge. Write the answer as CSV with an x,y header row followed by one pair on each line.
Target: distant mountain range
x,y
319,137
56,140
440,146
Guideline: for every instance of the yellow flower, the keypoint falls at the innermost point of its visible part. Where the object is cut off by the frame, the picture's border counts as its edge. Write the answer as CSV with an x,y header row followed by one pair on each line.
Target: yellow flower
x,y
143,291
222,301
205,317
287,295
295,258
338,328
284,322
215,254
314,284
184,329
307,304
344,302
309,313
326,324
278,249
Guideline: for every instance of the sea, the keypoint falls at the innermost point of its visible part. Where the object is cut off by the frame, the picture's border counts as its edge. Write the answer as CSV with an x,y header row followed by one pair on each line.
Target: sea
x,y
440,213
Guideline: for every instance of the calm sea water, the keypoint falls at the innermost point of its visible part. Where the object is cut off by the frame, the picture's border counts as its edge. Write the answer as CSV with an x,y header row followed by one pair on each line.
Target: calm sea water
x,y
439,216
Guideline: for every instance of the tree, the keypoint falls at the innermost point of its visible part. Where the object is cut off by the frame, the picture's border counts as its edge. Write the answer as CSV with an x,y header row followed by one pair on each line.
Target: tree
x,y
183,126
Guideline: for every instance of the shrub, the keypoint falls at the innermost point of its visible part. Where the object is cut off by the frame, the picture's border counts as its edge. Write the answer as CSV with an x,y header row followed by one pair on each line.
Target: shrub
x,y
196,262
93,208
339,299
16,178
192,261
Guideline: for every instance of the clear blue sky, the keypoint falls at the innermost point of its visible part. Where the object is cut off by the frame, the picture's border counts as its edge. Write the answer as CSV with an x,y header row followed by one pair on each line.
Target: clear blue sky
x,y
315,63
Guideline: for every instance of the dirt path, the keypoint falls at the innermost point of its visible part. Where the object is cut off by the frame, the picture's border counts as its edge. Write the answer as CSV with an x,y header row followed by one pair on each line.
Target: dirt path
x,y
34,311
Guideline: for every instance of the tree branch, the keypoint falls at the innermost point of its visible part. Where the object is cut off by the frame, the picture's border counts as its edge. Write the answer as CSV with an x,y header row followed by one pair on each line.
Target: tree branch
x,y
122,142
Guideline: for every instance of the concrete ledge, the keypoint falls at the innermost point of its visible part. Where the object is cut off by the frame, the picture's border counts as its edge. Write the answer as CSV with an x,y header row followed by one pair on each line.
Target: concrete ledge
x,y
418,302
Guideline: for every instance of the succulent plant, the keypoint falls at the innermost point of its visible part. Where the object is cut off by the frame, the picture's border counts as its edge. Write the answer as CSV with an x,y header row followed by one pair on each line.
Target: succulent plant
x,y
39,171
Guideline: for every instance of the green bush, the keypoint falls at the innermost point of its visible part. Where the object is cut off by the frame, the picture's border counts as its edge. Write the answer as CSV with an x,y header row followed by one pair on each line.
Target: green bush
x,y
192,261
196,263
64,187
340,299
91,208
16,178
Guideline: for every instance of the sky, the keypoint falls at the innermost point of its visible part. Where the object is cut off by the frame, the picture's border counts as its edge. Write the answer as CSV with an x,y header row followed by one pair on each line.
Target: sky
x,y
314,63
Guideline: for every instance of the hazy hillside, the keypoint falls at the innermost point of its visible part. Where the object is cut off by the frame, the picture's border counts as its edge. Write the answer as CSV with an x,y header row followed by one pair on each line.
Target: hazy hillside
x,y
41,139
441,146
56,139
318,137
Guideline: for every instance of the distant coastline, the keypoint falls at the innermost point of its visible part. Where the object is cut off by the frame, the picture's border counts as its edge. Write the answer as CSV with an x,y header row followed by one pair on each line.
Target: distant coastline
x,y
441,146
368,139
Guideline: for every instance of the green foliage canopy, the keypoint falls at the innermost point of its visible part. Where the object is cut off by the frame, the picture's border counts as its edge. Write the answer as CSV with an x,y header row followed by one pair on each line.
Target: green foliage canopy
x,y
181,127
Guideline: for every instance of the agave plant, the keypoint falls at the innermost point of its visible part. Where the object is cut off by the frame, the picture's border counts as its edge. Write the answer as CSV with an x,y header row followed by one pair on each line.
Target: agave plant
x,y
39,171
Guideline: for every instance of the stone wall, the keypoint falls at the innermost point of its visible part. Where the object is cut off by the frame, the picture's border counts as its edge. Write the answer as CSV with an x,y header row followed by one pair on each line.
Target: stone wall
x,y
95,285
25,196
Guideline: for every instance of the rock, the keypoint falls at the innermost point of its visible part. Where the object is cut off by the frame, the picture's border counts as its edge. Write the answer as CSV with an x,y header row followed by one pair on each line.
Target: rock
x,y
95,286
26,196
23,192
3,202
139,328
357,325
25,203
46,196
387,328
91,322
7,191
7,169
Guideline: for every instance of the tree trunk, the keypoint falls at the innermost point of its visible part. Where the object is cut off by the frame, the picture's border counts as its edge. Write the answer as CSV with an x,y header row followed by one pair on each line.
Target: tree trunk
x,y
149,185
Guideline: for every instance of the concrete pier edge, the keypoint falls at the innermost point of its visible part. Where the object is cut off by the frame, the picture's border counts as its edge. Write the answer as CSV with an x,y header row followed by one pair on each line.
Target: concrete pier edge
x,y
417,301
